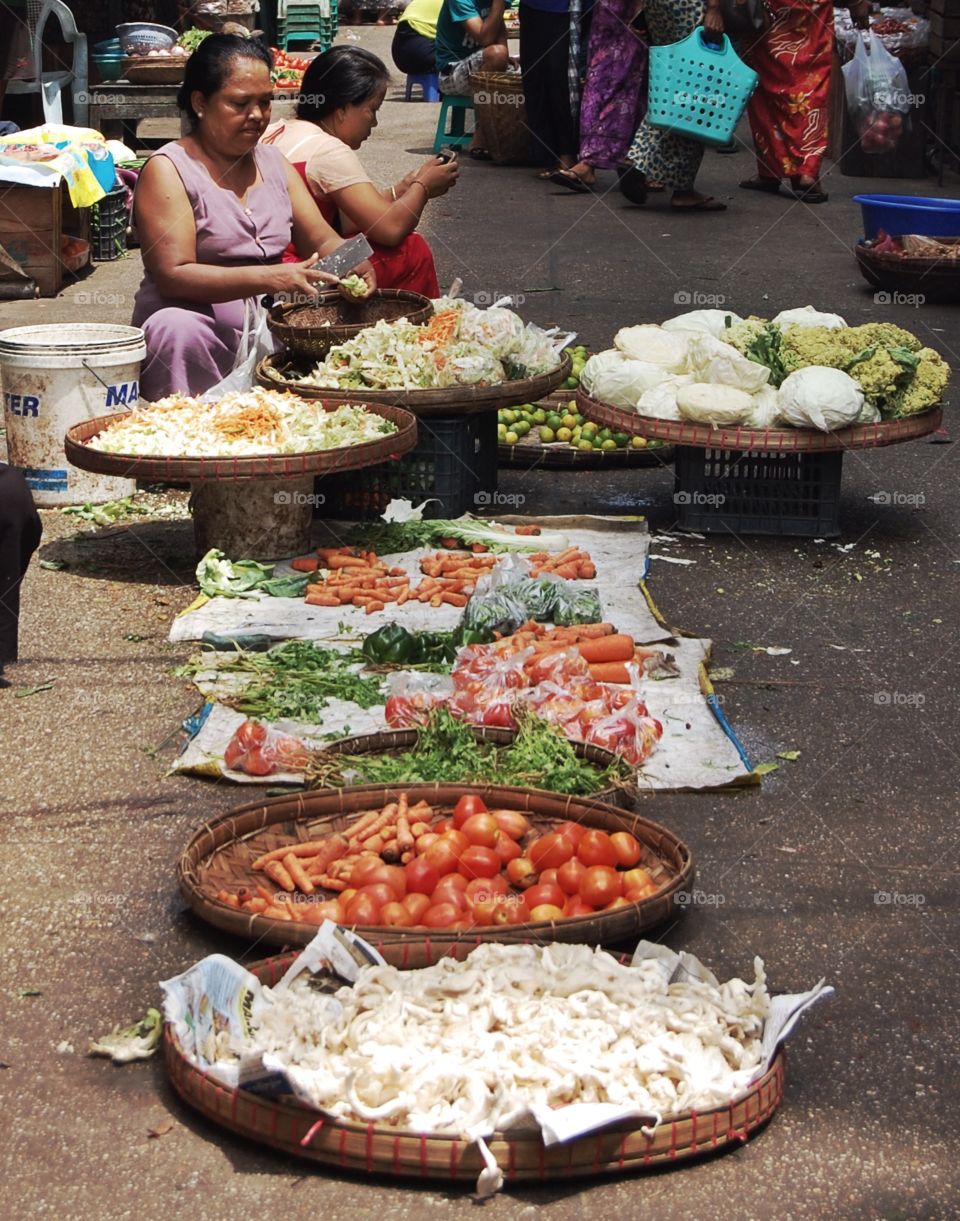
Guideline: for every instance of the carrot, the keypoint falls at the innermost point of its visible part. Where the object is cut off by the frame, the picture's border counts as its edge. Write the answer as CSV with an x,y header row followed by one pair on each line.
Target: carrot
x,y
305,563
609,672
453,599
527,530
588,631
405,838
298,873
265,894
568,553
329,883
619,647
225,896
256,906
387,815
345,561
364,821
567,571
277,913
372,607
406,858
278,873
310,847
321,600
588,571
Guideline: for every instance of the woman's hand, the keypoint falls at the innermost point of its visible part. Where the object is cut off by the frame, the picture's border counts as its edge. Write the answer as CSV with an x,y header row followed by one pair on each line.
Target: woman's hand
x,y
368,275
713,22
303,278
437,176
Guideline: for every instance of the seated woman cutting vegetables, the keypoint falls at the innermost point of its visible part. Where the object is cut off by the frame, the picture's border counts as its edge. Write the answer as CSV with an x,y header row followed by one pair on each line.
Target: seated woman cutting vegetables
x,y
341,93
215,212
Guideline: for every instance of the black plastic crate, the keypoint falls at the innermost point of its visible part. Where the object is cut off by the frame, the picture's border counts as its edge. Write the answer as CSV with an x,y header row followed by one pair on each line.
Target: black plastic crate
x,y
109,219
729,491
454,465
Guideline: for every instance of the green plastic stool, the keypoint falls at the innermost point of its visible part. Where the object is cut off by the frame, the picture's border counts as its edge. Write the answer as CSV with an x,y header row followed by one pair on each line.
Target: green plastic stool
x,y
458,136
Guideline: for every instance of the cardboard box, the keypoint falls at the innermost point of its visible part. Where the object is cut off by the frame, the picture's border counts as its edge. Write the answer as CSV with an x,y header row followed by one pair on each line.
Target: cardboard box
x,y
33,222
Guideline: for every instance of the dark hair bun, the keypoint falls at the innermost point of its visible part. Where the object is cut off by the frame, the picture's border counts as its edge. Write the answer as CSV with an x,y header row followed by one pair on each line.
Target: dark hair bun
x,y
342,76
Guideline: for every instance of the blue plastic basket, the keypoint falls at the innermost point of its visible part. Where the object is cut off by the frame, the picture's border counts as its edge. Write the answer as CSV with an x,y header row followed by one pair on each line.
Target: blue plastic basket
x,y
699,89
899,214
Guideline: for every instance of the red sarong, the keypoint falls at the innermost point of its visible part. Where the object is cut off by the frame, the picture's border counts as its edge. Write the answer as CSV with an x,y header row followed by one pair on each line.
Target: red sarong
x,y
788,110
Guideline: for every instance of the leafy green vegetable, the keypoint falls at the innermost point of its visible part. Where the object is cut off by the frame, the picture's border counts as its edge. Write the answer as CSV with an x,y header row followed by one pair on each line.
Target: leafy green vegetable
x,y
191,39
106,514
219,577
765,349
389,537
394,645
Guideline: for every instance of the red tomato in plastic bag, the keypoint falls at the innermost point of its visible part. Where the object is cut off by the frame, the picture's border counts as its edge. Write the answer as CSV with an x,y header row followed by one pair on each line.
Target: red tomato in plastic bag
x,y
499,715
250,734
234,754
399,712
257,764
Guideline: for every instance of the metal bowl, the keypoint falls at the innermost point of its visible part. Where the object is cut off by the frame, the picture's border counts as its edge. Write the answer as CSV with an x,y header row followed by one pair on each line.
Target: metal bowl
x,y
142,37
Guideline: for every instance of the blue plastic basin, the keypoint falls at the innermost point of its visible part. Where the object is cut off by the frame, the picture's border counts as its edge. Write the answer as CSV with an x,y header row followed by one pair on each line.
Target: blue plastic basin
x,y
898,214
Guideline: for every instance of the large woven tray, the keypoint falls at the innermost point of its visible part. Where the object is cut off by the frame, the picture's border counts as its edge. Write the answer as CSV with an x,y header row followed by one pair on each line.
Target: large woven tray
x,y
928,279
301,329
273,372
764,440
531,454
278,466
219,855
370,1149
389,741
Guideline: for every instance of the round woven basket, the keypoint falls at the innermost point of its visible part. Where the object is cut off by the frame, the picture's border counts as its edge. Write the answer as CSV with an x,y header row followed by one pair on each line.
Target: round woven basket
x,y
278,466
764,440
394,741
521,1154
532,454
498,98
928,279
280,372
219,856
168,70
312,330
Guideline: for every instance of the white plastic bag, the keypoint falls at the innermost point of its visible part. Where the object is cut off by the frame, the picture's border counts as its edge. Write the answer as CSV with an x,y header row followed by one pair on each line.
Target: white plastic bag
x,y
878,95
256,342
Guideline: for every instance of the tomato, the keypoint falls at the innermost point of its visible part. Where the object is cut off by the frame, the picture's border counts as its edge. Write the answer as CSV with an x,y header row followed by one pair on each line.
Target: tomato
x,y
481,829
250,734
569,876
468,805
457,839
507,849
596,848
363,871
441,915
572,830
636,879
346,896
600,885
448,892
479,862
511,822
627,848
392,875
499,715
544,892
234,753
443,825
521,872
400,713
422,878
619,901
395,915
362,909
426,842
443,856
637,894
416,905
256,763
546,911
548,875
380,892
481,887
330,909
491,908
575,906
551,851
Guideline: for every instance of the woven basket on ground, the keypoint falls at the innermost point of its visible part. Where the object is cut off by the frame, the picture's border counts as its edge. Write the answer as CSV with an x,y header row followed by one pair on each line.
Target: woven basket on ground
x,y
499,102
521,1154
928,279
312,330
218,857
161,70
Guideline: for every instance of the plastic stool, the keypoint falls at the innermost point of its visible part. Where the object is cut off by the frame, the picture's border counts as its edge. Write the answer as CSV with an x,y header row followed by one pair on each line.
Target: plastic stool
x,y
429,87
458,136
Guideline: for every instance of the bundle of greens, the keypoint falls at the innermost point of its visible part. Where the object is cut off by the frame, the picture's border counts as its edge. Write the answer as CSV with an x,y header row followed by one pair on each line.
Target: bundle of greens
x,y
219,577
447,750
392,537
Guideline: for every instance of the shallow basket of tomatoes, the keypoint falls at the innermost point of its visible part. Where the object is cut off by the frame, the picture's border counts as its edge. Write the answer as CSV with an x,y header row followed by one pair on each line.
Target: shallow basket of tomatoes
x,y
217,866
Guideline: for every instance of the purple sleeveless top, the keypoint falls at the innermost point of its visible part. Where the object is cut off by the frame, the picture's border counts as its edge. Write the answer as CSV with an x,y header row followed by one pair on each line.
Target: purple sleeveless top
x,y
230,232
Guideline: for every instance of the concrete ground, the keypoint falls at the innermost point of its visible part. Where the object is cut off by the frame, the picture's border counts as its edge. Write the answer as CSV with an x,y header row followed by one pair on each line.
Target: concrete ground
x,y
843,865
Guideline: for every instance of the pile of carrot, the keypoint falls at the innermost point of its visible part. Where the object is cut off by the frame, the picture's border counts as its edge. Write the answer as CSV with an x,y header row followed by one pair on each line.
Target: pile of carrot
x,y
606,651
572,563
465,564
390,833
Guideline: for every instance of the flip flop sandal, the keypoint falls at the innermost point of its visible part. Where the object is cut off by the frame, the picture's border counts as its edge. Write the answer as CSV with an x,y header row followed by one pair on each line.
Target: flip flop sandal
x,y
809,195
709,204
570,180
479,154
633,184
767,186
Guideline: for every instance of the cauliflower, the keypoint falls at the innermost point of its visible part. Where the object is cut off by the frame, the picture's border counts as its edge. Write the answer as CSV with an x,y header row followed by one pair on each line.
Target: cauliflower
x,y
887,333
924,389
742,334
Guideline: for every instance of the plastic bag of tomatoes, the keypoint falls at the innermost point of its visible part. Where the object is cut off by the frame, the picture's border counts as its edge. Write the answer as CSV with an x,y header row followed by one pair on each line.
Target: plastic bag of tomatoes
x,y
260,751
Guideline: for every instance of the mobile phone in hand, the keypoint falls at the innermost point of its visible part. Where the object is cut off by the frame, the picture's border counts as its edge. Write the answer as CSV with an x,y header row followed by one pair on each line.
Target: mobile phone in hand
x,y
447,154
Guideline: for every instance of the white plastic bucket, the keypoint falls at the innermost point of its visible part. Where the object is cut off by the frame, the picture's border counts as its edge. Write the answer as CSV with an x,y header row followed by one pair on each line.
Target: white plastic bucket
x,y
53,377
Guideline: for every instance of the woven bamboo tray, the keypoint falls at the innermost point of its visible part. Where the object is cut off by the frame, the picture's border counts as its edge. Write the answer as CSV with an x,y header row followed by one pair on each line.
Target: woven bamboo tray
x,y
270,466
930,279
312,330
522,1156
764,440
391,741
274,372
145,71
219,855
531,453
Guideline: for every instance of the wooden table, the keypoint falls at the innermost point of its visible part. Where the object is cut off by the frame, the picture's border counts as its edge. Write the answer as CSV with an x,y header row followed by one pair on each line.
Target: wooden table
x,y
120,105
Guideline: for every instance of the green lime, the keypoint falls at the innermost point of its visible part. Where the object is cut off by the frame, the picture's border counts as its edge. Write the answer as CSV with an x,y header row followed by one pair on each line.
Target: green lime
x,y
522,427
547,435
539,416
604,434
511,438
569,421
638,443
608,444
554,421
501,431
621,438
585,445
564,434
581,419
571,383
589,431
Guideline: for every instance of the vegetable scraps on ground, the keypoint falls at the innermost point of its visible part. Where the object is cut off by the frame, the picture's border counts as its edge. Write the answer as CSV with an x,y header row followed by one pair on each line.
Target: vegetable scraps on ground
x,y
413,866
219,577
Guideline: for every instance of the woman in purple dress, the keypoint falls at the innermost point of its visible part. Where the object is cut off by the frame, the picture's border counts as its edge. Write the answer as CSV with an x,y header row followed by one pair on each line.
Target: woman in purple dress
x,y
215,212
